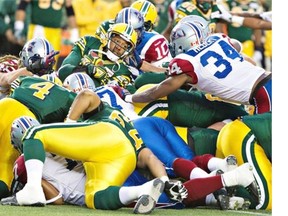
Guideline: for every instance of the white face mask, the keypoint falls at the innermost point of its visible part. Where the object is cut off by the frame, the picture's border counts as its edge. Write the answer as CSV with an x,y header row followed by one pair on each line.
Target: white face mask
x,y
112,56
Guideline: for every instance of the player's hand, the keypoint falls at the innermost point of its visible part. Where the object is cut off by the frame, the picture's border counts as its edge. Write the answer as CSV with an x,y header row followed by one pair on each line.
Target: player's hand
x,y
18,29
222,13
175,190
267,16
122,92
97,72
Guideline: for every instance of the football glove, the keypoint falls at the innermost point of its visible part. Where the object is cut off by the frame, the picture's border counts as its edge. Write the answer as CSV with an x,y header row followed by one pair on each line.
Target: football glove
x,y
18,29
122,92
175,190
222,13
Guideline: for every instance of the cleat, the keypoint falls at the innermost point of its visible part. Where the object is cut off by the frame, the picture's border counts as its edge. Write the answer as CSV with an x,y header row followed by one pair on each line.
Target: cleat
x,y
231,163
231,160
222,198
145,205
231,191
246,204
147,202
254,191
242,175
238,203
28,196
12,201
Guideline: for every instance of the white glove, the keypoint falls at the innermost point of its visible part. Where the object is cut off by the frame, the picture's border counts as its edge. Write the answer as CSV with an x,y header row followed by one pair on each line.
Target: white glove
x,y
266,16
74,35
18,28
257,57
222,13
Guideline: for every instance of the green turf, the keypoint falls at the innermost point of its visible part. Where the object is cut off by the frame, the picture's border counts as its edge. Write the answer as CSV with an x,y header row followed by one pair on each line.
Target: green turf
x,y
67,210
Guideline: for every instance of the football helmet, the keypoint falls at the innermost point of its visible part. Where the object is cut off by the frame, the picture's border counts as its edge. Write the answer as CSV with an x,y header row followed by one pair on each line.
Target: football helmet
x,y
148,11
79,81
52,78
101,31
126,32
184,36
38,56
18,128
200,21
133,17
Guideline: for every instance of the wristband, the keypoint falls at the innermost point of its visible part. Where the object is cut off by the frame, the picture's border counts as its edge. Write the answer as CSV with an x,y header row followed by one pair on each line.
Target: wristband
x,y
68,120
128,98
226,121
70,11
74,35
19,25
238,20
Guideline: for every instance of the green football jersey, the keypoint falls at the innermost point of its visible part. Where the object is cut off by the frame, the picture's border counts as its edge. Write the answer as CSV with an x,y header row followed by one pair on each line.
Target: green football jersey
x,y
90,48
47,13
48,101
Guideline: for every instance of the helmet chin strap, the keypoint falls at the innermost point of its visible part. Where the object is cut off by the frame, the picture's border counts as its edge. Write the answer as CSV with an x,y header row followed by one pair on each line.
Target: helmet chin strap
x,y
112,56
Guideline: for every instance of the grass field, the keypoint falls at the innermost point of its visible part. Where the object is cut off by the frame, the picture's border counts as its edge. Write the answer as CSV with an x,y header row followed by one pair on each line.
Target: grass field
x,y
67,210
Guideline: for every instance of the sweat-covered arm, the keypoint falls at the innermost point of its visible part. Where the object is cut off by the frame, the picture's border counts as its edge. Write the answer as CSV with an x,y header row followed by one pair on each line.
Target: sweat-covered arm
x,y
160,90
85,102
147,160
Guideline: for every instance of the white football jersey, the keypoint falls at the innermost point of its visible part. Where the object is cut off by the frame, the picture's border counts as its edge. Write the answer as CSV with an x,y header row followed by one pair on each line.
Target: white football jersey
x,y
67,176
108,95
217,68
154,48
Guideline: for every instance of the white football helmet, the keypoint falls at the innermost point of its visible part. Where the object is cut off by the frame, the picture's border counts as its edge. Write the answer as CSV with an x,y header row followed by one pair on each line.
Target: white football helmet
x,y
184,36
38,56
148,11
133,17
78,81
18,128
200,21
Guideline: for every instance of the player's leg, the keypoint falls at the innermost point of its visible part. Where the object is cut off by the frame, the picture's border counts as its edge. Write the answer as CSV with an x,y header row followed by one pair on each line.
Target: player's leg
x,y
10,109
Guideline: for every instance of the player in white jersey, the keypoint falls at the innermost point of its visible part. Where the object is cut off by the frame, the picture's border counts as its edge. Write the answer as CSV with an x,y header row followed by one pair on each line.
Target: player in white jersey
x,y
151,46
68,176
213,65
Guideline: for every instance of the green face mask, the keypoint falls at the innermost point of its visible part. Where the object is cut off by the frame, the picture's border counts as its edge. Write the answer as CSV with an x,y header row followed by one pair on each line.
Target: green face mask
x,y
204,7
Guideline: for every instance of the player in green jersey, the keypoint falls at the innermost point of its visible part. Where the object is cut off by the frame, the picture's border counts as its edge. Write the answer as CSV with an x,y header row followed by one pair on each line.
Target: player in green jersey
x,y
35,97
107,162
102,59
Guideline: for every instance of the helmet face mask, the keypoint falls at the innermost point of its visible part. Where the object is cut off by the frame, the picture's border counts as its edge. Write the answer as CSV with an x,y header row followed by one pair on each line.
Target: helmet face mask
x,y
38,56
18,129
